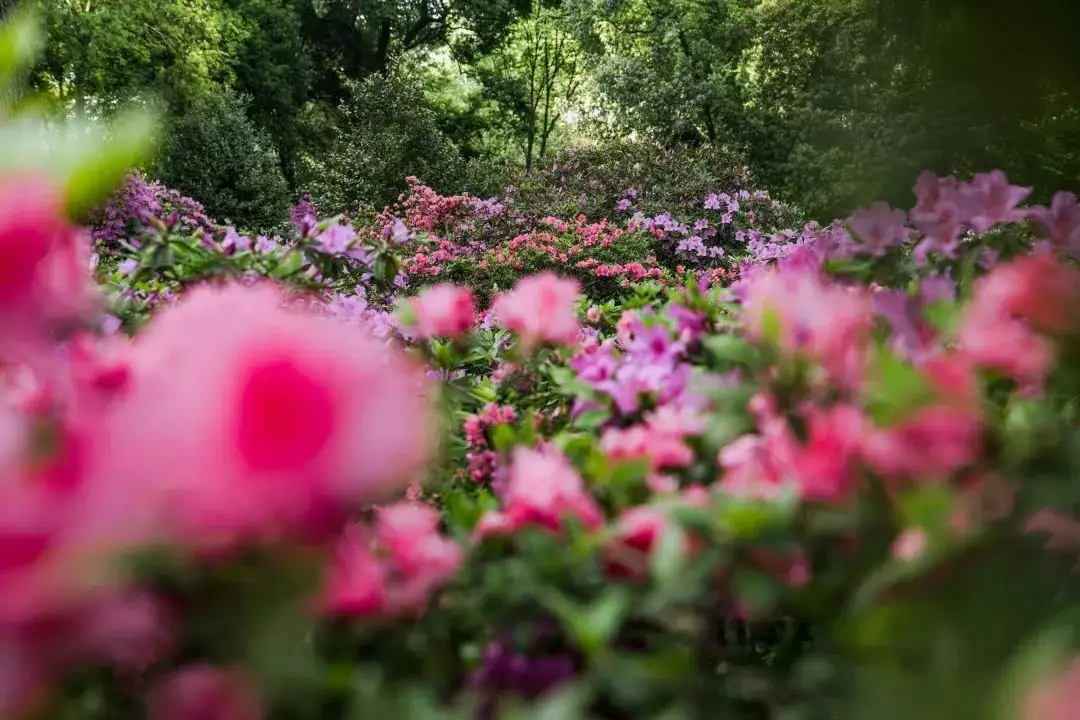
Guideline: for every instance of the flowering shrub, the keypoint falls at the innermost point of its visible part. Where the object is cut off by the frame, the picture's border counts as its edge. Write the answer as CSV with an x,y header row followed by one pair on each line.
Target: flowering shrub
x,y
139,206
839,486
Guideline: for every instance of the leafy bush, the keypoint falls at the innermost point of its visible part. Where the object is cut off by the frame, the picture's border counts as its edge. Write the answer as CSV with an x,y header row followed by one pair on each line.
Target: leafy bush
x,y
215,154
385,132
592,180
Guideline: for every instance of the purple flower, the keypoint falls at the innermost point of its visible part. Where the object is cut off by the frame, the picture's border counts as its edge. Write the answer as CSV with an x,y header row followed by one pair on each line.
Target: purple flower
x,y
1060,221
235,241
335,240
712,202
624,204
303,215
110,324
264,244
399,233
879,227
990,200
128,267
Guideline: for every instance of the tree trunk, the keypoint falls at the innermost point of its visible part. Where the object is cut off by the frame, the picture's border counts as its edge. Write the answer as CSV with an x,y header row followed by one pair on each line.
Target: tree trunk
x,y
382,49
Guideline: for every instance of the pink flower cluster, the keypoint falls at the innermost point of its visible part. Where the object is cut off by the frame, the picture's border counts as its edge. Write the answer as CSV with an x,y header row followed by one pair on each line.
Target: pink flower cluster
x,y
660,442
482,459
807,316
443,310
540,309
543,490
1010,306
392,568
237,419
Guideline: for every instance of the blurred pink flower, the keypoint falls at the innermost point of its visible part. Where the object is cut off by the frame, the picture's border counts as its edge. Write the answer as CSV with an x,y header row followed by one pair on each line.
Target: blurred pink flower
x,y
992,330
245,419
443,310
204,692
1038,288
540,309
1055,698
45,278
543,489
356,586
394,568
806,315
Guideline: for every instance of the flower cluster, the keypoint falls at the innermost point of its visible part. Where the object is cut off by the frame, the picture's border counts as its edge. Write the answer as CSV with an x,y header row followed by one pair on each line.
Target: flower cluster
x,y
482,459
140,205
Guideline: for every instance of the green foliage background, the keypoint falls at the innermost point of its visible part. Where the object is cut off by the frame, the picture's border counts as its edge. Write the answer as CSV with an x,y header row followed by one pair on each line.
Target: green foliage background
x,y
829,104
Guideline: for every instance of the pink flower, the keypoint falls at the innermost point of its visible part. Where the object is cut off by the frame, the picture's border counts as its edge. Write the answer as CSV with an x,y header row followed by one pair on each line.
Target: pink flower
x,y
247,419
45,277
356,586
636,530
750,469
805,315
879,227
822,469
540,309
909,545
1038,288
443,310
825,465
409,532
543,489
933,444
393,570
993,332
660,441
1054,698
204,692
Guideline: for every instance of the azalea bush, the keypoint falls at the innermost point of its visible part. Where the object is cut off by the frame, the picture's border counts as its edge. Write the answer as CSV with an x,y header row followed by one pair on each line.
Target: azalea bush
x,y
827,473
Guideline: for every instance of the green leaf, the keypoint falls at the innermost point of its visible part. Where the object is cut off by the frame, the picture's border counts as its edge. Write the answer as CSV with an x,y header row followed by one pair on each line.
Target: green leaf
x,y
21,40
591,419
927,506
897,389
101,166
730,348
289,264
503,438
668,556
592,626
758,590
943,315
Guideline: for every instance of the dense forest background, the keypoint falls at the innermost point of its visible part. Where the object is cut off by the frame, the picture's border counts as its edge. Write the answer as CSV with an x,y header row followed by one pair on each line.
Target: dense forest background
x,y
828,103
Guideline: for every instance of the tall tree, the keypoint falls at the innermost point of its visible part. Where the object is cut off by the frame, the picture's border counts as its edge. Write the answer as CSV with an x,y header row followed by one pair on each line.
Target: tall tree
x,y
350,39
108,51
534,77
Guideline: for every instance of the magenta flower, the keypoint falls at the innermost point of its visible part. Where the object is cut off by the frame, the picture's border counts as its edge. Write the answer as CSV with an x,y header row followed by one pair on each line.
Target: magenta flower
x,y
207,693
278,422
543,489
